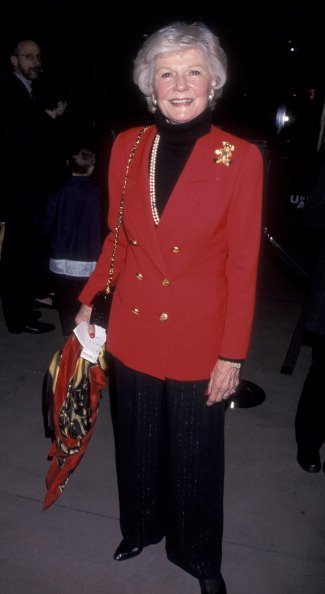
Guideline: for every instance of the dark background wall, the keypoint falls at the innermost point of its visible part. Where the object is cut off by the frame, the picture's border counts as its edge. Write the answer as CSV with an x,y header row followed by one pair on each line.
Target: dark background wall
x,y
276,56
91,45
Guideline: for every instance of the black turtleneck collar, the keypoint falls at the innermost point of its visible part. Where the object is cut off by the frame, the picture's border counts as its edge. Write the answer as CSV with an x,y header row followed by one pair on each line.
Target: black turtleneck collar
x,y
183,133
175,146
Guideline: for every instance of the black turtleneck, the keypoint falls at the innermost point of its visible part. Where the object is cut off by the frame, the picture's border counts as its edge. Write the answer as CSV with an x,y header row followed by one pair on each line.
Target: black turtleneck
x,y
175,146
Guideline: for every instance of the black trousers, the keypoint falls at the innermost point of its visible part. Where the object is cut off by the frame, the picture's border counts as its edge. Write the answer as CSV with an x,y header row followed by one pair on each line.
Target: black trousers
x,y
66,302
23,261
170,467
310,417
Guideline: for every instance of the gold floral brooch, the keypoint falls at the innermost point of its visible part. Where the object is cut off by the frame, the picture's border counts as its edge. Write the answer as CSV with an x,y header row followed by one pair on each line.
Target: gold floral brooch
x,y
224,154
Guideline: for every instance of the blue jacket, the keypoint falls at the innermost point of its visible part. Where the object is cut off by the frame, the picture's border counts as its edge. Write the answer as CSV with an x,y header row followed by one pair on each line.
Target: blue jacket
x,y
72,222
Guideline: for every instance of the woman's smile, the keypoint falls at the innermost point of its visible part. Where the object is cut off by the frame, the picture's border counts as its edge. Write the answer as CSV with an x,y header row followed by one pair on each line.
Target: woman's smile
x,y
182,83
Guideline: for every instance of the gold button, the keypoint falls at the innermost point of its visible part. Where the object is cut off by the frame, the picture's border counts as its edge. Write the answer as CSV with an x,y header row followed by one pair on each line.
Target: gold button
x,y
135,311
166,282
176,249
133,242
163,317
139,275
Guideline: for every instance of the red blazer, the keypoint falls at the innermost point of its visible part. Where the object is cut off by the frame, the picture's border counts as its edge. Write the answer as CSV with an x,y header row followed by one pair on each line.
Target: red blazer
x,y
185,290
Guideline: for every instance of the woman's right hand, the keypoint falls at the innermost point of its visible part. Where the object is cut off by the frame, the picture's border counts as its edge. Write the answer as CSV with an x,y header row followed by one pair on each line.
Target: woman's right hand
x,y
83,315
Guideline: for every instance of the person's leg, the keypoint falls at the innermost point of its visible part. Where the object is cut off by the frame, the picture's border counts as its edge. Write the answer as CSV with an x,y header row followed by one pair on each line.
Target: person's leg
x,y
66,292
39,261
16,294
137,406
195,480
310,417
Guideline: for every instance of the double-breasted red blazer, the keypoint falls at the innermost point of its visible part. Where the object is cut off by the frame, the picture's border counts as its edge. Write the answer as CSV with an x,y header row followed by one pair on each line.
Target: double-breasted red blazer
x,y
184,290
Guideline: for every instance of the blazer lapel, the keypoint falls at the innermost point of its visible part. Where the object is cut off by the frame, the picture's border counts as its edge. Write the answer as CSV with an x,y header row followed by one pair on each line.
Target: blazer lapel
x,y
187,194
189,190
137,211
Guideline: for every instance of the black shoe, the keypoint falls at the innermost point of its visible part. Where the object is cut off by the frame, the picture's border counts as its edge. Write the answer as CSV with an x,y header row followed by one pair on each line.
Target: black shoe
x,y
14,329
126,551
309,460
37,327
213,586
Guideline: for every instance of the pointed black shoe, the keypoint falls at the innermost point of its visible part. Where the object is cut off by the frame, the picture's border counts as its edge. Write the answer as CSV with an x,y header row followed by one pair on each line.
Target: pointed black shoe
x,y
213,586
309,460
126,551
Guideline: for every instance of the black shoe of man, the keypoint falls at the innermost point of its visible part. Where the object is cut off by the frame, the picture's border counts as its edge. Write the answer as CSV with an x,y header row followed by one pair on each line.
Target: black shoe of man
x,y
309,460
33,327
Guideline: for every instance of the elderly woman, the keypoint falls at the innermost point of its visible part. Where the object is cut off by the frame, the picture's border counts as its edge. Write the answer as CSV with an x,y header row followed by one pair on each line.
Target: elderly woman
x,y
183,303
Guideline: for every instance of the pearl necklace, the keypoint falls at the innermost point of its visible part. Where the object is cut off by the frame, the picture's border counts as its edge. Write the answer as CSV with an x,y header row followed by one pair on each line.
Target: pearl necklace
x,y
152,179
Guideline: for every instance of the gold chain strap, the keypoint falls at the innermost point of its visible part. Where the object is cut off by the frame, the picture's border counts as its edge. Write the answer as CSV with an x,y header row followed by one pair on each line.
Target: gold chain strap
x,y
121,208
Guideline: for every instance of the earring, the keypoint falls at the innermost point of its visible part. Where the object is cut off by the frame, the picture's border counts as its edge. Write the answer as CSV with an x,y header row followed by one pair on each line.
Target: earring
x,y
211,95
154,101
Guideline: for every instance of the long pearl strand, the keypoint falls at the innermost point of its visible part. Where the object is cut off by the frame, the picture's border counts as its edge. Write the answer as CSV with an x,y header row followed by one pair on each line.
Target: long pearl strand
x,y
152,179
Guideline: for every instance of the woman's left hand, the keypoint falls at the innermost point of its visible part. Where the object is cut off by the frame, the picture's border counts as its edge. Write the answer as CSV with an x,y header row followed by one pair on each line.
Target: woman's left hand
x,y
224,380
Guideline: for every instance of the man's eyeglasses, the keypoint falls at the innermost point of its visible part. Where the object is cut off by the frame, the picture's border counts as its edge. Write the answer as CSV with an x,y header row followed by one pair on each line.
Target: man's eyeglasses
x,y
30,57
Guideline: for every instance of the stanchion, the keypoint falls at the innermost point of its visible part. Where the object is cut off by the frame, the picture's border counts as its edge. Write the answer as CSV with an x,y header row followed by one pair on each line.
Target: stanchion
x,y
246,395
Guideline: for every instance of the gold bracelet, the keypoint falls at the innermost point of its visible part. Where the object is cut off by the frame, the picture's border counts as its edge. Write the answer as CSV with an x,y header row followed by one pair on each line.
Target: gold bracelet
x,y
232,363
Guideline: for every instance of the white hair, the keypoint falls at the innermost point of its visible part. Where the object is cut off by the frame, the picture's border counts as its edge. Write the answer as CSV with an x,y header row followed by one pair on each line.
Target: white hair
x,y
175,37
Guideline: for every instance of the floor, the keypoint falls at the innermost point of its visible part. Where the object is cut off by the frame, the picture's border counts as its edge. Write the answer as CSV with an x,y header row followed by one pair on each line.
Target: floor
x,y
274,537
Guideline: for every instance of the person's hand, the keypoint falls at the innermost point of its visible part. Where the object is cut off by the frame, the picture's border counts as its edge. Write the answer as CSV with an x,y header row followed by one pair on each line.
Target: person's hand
x,y
83,315
224,380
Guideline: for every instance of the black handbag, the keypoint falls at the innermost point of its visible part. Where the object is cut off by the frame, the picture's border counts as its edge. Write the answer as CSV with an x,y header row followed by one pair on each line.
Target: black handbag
x,y
101,303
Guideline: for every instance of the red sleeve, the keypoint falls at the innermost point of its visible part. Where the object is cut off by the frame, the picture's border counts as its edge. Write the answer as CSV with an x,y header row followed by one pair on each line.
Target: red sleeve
x,y
243,237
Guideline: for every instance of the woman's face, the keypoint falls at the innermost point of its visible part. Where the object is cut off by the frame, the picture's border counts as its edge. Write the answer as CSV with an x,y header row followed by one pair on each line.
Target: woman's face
x,y
182,84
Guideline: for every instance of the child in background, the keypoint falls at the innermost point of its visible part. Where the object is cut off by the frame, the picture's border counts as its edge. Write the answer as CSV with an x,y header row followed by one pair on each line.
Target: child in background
x,y
73,225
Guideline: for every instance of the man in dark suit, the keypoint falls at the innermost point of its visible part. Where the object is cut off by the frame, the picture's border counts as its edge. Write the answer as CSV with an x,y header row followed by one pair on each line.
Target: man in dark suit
x,y
20,152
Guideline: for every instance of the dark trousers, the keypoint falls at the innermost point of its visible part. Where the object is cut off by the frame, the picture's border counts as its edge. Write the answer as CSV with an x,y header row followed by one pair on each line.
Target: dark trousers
x,y
170,467
310,417
22,265
66,302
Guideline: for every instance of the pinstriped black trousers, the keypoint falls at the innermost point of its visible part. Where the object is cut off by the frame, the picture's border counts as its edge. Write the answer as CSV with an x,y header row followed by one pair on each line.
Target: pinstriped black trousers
x,y
170,467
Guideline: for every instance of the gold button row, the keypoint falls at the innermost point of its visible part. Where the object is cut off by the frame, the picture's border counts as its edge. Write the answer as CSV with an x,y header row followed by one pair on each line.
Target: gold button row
x,y
165,281
175,249
163,316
